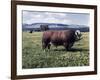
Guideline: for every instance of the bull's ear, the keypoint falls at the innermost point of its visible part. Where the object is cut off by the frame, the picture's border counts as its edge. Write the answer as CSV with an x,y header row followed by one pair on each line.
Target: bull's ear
x,y
76,33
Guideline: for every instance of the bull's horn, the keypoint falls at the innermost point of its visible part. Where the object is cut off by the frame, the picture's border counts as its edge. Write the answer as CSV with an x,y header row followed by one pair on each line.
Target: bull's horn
x,y
77,32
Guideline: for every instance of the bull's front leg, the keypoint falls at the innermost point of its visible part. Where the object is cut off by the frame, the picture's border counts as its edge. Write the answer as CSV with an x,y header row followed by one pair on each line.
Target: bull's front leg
x,y
66,46
70,46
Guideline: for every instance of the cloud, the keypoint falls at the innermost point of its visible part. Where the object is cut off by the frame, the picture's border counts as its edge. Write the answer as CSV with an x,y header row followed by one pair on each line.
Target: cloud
x,y
30,17
44,17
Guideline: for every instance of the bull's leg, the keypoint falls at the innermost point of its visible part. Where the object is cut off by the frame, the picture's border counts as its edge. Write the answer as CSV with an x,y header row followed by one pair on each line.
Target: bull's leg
x,y
44,45
70,45
49,46
66,46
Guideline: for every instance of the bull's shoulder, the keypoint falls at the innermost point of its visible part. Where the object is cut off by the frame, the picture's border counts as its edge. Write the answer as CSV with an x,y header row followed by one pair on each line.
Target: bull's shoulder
x,y
69,32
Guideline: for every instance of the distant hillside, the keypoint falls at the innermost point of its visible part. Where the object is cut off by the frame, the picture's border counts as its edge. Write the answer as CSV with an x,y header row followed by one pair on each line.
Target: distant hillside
x,y
53,26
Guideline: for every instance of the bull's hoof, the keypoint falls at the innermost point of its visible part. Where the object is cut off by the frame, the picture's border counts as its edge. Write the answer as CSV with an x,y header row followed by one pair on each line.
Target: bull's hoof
x,y
68,49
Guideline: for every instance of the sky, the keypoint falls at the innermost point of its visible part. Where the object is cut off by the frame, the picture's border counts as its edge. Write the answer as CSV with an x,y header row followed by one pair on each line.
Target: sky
x,y
30,17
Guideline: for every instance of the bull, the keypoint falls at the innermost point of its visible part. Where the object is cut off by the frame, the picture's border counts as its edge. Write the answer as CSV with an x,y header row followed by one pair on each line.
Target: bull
x,y
65,38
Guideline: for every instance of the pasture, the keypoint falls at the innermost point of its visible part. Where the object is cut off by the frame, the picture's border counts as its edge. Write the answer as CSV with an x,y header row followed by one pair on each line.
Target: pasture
x,y
34,57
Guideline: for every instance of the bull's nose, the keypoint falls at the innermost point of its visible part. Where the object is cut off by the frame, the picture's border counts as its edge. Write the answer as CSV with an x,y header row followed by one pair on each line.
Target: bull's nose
x,y
80,38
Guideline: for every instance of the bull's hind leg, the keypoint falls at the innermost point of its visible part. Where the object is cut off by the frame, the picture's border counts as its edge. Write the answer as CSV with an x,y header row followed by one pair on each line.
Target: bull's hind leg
x,y
44,45
49,46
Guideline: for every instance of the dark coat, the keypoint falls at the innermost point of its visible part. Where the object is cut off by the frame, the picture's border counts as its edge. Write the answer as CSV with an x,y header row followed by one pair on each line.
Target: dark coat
x,y
64,37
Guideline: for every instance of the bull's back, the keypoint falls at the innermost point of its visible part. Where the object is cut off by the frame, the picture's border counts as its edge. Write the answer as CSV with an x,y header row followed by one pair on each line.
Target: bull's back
x,y
60,37
64,34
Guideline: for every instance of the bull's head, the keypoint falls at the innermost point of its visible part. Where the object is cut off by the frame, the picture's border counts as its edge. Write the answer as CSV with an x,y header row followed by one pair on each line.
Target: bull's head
x,y
78,35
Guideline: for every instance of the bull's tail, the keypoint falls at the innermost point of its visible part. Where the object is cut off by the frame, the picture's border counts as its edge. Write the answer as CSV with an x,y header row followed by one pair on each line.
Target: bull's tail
x,y
43,44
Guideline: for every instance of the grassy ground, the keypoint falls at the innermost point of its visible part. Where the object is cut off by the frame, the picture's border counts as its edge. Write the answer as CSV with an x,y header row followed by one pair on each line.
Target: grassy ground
x,y
34,57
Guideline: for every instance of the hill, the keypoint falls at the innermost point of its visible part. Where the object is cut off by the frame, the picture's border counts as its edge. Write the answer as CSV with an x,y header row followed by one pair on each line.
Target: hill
x,y
55,26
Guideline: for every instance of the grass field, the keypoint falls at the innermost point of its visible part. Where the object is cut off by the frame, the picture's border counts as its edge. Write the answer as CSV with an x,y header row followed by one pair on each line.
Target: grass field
x,y
34,57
